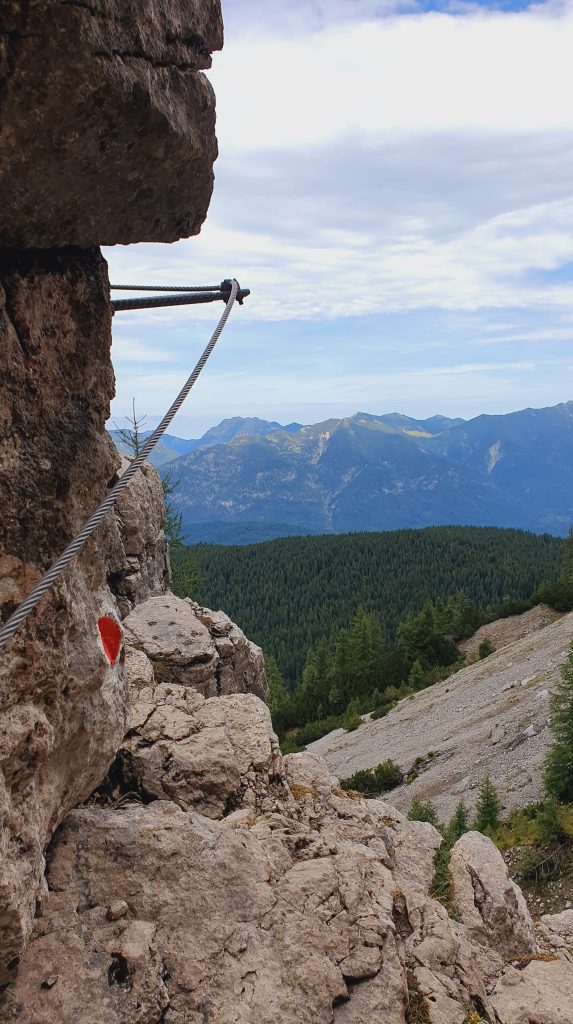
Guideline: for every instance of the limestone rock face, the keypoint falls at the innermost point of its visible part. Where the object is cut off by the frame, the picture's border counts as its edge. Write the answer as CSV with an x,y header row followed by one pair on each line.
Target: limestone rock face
x,y
106,123
306,906
557,933
310,772
138,559
106,136
210,754
62,701
273,920
56,386
198,648
213,755
491,906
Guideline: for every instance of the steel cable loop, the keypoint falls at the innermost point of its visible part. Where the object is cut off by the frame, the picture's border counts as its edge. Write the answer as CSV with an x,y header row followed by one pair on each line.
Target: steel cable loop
x,y
41,588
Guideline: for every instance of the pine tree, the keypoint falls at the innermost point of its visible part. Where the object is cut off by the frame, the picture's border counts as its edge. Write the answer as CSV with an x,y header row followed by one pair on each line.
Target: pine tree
x,y
485,648
567,564
278,695
459,822
548,826
421,810
559,760
173,520
416,678
488,808
186,579
131,435
335,700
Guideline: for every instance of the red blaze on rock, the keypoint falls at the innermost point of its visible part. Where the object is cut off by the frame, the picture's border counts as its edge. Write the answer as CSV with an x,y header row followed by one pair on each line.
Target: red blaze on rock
x,y
111,637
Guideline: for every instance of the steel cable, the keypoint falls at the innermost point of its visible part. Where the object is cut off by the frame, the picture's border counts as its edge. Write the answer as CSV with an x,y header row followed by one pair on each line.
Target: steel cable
x,y
41,588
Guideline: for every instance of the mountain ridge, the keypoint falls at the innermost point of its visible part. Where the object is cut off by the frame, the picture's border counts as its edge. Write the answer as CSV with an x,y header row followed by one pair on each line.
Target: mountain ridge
x,y
367,472
248,480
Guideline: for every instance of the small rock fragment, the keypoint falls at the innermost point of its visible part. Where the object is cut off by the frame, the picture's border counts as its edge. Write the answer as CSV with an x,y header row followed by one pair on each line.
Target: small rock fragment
x,y
117,909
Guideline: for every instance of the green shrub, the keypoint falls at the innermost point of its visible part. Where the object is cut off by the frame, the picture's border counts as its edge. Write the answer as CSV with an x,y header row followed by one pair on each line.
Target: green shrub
x,y
315,730
442,884
423,811
373,781
289,745
548,826
485,648
381,711
351,721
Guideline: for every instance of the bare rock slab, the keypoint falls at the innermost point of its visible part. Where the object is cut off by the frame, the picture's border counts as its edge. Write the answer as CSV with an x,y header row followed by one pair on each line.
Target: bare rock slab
x,y
316,910
212,755
541,992
217,754
193,646
272,921
107,125
491,906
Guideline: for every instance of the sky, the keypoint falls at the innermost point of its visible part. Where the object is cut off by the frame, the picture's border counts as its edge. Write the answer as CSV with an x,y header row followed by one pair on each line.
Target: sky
x,y
395,186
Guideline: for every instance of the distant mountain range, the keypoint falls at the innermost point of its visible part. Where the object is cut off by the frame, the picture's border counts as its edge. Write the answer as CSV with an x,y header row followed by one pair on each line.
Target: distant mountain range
x,y
171,447
248,480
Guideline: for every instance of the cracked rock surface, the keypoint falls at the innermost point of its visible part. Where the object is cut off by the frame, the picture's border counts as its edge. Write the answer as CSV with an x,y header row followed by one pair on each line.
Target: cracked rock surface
x,y
201,751
195,647
62,704
231,885
107,125
491,906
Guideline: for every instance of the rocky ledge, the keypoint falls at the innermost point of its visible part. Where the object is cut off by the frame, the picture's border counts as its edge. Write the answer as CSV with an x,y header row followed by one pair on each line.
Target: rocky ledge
x,y
211,879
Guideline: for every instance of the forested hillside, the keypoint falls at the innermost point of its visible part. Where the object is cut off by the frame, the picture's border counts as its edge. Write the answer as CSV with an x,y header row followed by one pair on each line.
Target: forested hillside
x,y
289,593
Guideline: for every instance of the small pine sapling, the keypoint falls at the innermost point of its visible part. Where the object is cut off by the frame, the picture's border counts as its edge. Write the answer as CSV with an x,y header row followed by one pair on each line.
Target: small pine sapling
x,y
421,810
485,648
559,760
459,822
488,808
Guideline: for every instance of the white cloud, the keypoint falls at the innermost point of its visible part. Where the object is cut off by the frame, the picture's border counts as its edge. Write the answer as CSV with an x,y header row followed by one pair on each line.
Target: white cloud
x,y
428,73
369,166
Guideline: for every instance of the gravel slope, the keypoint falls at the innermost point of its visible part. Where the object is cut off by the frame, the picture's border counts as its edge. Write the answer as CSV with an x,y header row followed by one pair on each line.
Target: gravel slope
x,y
490,718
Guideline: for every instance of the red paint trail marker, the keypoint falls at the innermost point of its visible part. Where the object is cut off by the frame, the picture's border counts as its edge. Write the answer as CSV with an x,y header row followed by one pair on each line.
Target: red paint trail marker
x,y
111,637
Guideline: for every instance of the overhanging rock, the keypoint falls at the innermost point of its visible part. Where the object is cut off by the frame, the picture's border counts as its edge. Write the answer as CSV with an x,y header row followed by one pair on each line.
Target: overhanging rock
x,y
107,126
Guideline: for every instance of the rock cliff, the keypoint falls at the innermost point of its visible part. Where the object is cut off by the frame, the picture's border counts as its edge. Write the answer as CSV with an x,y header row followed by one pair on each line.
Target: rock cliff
x,y
161,863
106,136
228,884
